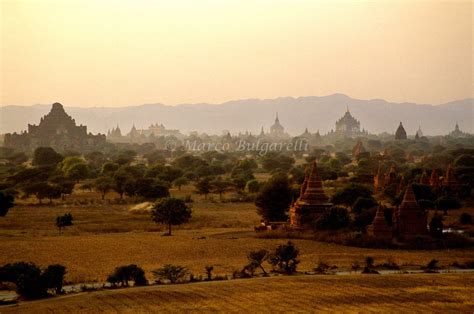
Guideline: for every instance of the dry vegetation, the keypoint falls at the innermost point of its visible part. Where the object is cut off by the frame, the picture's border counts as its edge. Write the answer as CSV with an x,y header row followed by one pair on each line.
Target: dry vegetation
x,y
106,236
392,293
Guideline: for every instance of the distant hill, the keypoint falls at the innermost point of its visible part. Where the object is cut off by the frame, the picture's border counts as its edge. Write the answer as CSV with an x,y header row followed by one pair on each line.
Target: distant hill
x,y
315,113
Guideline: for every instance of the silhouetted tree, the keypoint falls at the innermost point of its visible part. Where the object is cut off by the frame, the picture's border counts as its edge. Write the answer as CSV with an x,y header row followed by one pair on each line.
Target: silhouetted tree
x,y
171,211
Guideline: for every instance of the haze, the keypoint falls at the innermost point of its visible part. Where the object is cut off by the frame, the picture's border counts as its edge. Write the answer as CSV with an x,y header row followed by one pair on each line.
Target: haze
x,y
118,53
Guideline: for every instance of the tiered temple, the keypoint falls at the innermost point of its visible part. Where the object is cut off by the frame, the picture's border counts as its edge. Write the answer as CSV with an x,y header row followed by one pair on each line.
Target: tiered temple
x,y
57,130
312,200
349,126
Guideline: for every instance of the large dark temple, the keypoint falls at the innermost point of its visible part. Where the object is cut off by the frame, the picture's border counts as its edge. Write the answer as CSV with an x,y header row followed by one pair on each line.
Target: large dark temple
x,y
57,130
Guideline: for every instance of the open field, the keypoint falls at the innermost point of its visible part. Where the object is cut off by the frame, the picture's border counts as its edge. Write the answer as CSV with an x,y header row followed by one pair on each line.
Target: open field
x,y
106,236
448,293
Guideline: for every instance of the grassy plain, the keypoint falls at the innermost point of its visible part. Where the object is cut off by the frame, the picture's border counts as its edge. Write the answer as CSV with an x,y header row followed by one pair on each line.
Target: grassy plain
x,y
448,293
105,236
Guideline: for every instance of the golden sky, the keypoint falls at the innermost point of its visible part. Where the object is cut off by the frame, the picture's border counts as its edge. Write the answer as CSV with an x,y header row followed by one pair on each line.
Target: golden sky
x,y
117,53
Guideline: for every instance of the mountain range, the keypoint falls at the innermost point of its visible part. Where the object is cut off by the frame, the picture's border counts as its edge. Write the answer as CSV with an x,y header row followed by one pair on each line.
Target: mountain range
x,y
295,114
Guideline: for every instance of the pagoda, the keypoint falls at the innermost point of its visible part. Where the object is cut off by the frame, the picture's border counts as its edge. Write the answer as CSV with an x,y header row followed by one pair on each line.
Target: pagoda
x,y
410,220
277,130
379,227
312,200
434,178
349,126
400,134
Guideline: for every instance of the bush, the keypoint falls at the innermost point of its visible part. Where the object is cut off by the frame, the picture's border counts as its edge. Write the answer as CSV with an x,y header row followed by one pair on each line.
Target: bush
x,y
333,218
363,203
256,259
30,282
64,221
169,272
123,274
6,202
436,226
465,219
284,258
426,204
446,203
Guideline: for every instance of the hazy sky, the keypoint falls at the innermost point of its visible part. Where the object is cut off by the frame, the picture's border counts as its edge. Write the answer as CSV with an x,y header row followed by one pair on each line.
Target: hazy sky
x,y
117,53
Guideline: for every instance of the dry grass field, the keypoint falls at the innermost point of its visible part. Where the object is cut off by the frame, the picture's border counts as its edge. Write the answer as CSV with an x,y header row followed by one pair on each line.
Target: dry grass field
x,y
355,293
106,236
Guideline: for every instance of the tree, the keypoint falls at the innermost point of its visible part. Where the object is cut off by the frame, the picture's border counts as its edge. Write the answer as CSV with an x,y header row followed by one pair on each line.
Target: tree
x,y
256,259
53,276
78,171
362,203
6,202
172,273
274,199
446,203
64,221
203,187
179,182
171,211
253,186
209,269
220,186
284,258
46,156
103,185
151,188
349,194
333,218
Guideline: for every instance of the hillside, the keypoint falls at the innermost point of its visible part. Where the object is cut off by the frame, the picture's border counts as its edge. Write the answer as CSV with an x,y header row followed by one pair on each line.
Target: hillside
x,y
315,113
353,293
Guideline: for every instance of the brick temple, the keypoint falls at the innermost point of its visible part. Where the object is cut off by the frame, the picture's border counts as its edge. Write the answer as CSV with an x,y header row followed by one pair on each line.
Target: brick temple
x,y
312,200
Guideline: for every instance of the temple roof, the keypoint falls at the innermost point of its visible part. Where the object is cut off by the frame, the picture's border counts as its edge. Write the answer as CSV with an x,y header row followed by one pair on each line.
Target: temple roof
x,y
313,191
401,134
409,203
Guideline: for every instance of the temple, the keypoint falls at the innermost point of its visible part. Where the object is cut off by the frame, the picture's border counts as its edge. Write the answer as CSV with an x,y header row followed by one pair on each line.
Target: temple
x,y
400,134
379,227
410,220
349,126
383,180
277,130
141,135
457,133
57,130
312,200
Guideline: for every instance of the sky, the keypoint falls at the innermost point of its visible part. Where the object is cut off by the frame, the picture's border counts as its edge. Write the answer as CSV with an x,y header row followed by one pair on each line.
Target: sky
x,y
131,52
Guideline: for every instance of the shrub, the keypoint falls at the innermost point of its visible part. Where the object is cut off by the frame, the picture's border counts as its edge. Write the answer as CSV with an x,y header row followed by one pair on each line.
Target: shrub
x,y
363,203
6,202
432,266
209,269
64,221
465,219
123,274
333,218
446,203
172,273
426,204
285,258
436,226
